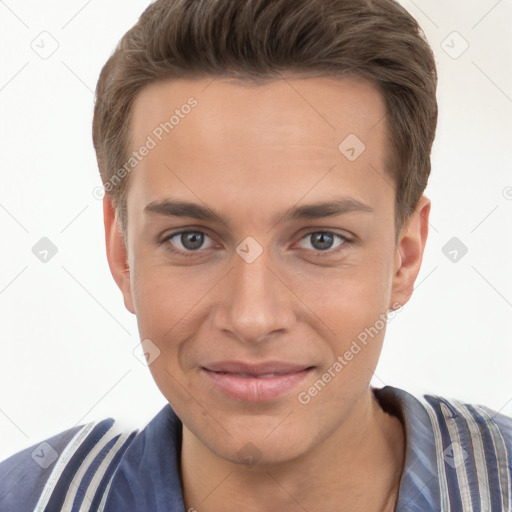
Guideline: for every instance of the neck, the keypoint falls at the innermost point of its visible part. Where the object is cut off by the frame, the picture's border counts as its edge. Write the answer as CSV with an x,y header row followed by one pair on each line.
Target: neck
x,y
357,468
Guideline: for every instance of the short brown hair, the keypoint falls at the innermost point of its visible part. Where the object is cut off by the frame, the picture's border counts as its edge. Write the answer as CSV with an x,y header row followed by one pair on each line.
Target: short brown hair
x,y
377,40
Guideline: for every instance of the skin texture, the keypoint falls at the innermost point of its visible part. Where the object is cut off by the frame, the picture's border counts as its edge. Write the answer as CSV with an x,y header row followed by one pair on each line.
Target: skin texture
x,y
250,154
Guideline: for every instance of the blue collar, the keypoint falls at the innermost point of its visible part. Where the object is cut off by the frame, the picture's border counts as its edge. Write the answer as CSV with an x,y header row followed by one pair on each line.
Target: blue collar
x,y
419,488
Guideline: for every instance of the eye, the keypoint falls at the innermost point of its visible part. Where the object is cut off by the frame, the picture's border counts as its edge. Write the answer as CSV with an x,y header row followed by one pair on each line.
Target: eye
x,y
191,242
187,242
324,241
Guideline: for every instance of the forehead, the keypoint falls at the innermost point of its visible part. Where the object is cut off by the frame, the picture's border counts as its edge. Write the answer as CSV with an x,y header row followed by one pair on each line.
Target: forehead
x,y
276,139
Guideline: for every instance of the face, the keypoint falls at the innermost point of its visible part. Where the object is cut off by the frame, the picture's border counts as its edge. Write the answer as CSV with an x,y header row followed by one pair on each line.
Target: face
x,y
261,256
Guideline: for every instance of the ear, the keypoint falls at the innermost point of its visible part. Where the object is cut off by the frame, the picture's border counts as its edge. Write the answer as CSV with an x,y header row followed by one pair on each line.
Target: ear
x,y
409,253
117,254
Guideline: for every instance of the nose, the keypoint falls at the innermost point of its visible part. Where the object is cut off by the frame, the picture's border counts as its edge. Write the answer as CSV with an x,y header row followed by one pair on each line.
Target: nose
x,y
256,302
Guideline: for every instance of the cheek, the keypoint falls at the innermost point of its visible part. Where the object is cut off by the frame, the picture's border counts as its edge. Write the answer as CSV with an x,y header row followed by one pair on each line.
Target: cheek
x,y
354,313
350,296
163,296
171,307
161,308
351,305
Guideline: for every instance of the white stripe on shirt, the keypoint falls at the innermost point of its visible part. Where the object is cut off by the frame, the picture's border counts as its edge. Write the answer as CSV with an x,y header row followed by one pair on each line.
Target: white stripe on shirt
x,y
61,464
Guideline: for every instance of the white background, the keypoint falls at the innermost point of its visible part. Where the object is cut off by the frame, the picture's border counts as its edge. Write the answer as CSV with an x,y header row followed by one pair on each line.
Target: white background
x,y
66,340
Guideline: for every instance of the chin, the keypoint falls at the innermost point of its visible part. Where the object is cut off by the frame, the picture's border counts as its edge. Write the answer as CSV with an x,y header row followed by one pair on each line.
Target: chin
x,y
253,454
257,446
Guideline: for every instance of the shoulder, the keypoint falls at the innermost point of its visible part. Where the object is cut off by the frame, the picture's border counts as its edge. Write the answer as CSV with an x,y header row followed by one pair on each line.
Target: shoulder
x,y
68,468
449,419
473,446
462,422
458,454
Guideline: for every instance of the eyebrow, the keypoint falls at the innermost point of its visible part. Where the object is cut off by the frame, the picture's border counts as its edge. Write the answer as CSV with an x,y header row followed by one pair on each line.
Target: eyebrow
x,y
336,207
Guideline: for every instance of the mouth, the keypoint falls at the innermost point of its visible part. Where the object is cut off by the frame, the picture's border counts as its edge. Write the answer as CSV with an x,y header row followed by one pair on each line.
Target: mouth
x,y
254,383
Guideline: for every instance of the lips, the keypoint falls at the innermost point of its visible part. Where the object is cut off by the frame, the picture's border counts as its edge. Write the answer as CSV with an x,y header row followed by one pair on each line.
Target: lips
x,y
254,382
257,370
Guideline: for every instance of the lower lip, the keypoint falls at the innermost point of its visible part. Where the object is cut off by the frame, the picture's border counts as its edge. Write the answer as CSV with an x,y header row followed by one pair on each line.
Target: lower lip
x,y
255,389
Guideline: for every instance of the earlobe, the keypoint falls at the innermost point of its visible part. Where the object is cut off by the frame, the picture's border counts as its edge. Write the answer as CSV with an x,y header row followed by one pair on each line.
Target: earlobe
x,y
409,252
117,252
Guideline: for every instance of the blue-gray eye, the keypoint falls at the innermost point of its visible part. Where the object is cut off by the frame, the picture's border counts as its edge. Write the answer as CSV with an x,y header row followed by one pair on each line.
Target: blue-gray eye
x,y
189,241
323,240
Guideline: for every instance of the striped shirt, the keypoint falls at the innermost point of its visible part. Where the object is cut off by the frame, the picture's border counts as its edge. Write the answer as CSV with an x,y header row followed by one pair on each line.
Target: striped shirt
x,y
458,458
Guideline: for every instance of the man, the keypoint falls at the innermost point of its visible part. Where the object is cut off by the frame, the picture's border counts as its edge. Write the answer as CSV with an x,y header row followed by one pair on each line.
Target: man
x,y
264,164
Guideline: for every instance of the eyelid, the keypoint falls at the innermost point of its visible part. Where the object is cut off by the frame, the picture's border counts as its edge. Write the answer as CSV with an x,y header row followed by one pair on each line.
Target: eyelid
x,y
179,231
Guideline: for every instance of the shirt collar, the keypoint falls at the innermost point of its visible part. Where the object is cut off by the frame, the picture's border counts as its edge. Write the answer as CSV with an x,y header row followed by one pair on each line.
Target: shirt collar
x,y
419,487
148,477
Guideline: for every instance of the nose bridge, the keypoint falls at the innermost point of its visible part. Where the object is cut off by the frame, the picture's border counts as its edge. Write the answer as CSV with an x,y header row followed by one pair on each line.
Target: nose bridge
x,y
255,302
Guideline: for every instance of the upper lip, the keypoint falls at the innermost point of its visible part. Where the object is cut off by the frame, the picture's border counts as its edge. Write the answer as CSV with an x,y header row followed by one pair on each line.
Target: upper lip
x,y
238,367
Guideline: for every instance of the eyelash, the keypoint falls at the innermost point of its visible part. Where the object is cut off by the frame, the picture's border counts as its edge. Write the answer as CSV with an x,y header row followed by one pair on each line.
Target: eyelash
x,y
341,247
